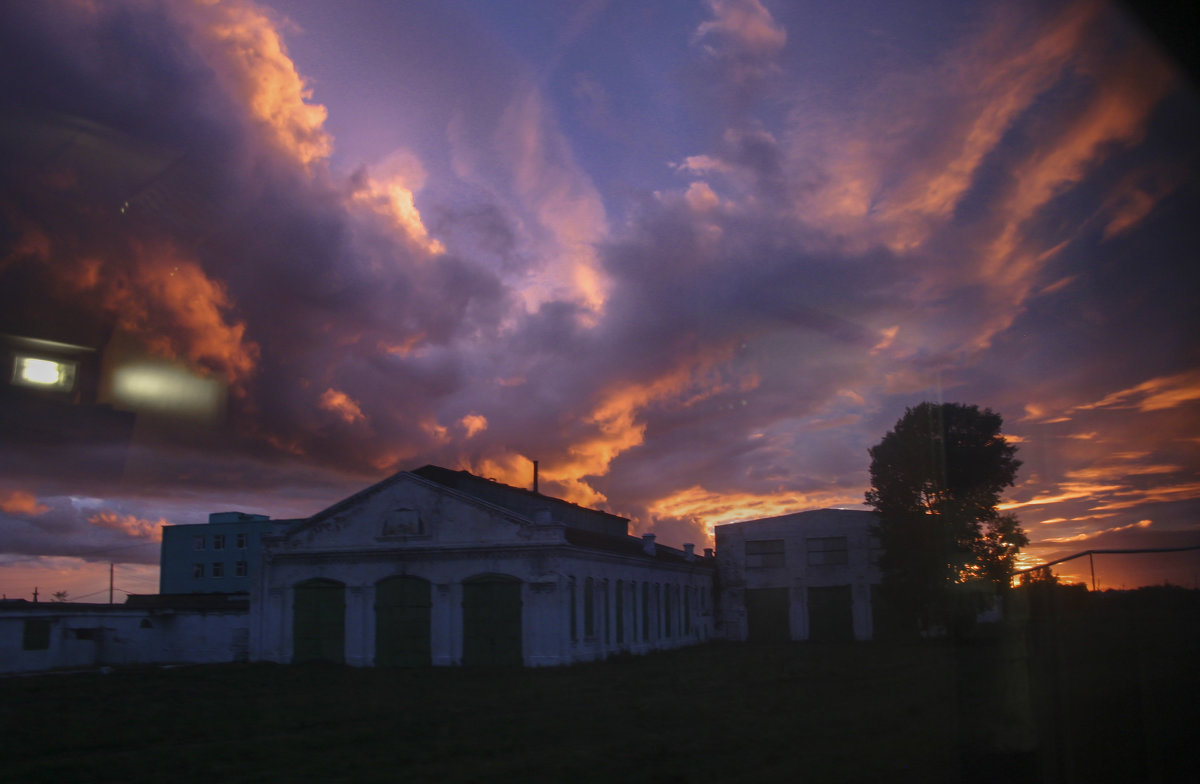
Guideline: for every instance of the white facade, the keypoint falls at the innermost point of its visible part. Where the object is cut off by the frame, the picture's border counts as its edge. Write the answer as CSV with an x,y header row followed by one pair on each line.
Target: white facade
x,y
803,576
413,571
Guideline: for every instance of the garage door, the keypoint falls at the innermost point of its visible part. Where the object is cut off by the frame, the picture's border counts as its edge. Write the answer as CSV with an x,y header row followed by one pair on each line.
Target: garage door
x,y
319,621
767,611
830,617
492,621
402,612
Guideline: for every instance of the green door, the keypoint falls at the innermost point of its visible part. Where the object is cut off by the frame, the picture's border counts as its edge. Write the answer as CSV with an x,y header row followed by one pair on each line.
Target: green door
x,y
830,616
402,611
492,621
319,622
767,611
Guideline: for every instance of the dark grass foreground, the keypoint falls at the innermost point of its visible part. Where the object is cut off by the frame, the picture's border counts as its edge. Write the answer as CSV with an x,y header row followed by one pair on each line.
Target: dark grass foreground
x,y
714,713
1087,689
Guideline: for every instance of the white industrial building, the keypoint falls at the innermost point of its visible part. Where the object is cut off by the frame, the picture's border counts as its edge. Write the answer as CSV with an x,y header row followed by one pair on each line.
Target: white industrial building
x,y
804,576
440,567
445,568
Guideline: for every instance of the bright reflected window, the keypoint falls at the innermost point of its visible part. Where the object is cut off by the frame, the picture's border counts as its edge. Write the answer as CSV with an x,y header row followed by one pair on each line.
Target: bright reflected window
x,y
43,373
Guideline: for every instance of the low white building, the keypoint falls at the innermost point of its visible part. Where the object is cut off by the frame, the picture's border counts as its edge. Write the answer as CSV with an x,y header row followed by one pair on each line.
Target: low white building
x,y
445,568
199,629
804,576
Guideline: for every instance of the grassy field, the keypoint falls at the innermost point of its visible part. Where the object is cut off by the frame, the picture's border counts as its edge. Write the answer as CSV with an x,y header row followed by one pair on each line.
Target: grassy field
x,y
928,712
714,713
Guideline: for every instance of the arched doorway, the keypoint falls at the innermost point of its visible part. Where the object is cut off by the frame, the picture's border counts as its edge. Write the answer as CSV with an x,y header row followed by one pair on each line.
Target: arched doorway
x,y
402,614
319,621
492,621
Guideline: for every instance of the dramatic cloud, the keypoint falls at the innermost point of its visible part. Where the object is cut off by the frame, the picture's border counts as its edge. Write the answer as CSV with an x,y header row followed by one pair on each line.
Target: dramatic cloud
x,y
694,261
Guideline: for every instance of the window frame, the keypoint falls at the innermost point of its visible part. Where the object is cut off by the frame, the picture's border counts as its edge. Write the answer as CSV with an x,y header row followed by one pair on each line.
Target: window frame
x,y
820,553
765,553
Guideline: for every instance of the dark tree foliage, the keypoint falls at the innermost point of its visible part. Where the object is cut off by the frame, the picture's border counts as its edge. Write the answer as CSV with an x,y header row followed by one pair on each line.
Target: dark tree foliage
x,y
936,481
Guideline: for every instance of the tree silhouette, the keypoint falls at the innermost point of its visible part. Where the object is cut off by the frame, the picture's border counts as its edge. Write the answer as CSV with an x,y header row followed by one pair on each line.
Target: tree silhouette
x,y
936,480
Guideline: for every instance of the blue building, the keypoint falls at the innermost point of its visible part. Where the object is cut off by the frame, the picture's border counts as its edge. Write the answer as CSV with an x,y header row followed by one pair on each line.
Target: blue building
x,y
221,556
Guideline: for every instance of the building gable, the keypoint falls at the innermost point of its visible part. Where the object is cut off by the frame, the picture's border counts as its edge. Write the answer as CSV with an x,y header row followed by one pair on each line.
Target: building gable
x,y
406,510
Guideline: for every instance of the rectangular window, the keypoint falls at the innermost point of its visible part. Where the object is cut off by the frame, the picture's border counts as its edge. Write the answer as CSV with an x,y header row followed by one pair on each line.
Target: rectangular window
x,y
687,610
218,569
828,551
764,554
574,612
241,541
620,612
645,612
36,635
218,541
197,571
667,610
197,542
241,569
604,609
589,609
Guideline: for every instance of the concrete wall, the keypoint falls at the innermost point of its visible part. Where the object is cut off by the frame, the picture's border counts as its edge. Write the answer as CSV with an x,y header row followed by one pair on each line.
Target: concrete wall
x,y
83,637
796,574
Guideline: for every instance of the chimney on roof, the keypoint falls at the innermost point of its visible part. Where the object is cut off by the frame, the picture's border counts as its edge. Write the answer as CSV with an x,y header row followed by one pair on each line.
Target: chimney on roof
x,y
535,475
708,552
648,543
689,551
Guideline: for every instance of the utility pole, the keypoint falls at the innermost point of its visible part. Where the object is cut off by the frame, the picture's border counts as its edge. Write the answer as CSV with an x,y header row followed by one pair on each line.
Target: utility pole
x,y
110,581
35,594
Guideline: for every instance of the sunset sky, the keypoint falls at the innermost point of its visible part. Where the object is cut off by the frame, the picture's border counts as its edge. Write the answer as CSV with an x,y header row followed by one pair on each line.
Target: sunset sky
x,y
693,257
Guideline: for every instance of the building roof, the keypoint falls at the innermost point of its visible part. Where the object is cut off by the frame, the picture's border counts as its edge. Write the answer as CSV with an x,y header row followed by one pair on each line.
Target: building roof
x,y
627,545
847,517
189,601
526,502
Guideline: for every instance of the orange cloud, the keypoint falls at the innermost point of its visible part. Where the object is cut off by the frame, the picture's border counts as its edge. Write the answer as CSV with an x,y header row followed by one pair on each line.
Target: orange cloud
x,y
1115,472
389,192
473,423
1131,498
1069,491
562,202
714,508
615,423
994,78
1153,395
1093,534
346,407
746,24
251,61
172,306
21,503
129,525
700,197
1118,115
